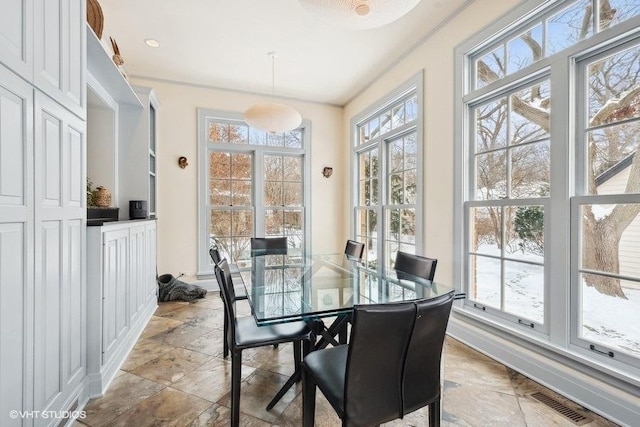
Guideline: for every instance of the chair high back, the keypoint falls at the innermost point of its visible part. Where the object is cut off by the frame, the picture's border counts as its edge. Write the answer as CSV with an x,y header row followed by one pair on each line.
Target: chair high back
x,y
354,249
269,244
214,253
225,282
422,367
377,349
416,265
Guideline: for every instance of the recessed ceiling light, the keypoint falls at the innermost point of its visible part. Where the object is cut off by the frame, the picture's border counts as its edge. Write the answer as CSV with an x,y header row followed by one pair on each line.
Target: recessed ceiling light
x,y
152,42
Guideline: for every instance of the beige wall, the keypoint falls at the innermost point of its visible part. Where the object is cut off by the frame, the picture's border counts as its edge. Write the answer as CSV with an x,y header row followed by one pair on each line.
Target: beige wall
x,y
177,188
435,58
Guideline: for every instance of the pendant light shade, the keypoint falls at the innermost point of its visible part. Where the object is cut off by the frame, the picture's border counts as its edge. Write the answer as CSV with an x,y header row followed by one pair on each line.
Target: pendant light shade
x,y
271,116
359,14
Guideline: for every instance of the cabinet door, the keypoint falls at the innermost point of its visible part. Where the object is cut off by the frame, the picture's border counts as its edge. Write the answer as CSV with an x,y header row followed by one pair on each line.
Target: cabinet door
x,y
114,292
59,51
138,269
59,236
151,288
16,244
16,36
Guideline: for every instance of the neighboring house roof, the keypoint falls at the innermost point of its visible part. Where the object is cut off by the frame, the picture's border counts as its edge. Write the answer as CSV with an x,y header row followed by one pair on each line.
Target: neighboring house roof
x,y
614,170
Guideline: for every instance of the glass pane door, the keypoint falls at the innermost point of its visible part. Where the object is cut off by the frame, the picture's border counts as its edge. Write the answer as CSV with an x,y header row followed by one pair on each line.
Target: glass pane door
x,y
284,198
230,201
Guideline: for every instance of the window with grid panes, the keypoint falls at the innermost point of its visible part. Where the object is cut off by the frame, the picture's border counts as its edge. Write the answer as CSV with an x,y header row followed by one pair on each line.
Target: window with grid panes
x,y
387,191
560,87
254,185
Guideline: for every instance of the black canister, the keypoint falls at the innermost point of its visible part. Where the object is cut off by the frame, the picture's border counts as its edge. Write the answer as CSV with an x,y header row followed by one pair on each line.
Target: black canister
x,y
138,209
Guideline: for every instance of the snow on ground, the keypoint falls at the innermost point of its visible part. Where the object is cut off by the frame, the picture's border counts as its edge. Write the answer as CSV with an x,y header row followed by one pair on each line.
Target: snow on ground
x,y
612,321
607,320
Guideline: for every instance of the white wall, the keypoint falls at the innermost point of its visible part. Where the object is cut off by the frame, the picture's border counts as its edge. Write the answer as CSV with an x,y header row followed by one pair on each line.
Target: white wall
x,y
435,58
177,188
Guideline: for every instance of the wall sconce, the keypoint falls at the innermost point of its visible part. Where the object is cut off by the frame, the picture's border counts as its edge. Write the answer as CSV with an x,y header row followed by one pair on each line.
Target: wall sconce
x,y
327,171
182,162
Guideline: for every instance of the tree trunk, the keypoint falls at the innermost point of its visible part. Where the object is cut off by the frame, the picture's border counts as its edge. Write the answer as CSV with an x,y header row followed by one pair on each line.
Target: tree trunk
x,y
600,241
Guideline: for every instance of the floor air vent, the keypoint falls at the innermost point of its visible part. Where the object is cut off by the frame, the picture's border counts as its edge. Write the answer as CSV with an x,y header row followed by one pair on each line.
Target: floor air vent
x,y
573,416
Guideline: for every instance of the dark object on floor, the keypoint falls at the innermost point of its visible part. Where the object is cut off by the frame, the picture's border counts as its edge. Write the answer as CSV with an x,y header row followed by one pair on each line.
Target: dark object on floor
x,y
172,289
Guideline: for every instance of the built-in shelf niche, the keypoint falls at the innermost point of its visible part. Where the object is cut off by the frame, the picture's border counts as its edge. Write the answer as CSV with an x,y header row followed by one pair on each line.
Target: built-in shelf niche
x,y
111,105
102,152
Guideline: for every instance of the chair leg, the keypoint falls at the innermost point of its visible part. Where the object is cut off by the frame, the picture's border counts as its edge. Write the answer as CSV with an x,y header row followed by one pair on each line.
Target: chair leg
x,y
307,345
297,357
236,377
342,335
308,400
434,413
225,335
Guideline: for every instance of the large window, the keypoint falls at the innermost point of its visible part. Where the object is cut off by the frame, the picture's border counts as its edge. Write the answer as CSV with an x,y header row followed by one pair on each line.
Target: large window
x,y
550,200
387,162
607,209
511,164
252,183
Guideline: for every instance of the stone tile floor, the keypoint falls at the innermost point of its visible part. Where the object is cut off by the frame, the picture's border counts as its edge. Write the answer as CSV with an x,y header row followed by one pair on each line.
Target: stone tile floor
x,y
176,376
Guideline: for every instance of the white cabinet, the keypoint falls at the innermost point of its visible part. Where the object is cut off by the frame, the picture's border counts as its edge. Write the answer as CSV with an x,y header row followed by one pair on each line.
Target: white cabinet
x,y
121,256
121,293
59,51
16,244
42,208
59,232
115,255
44,42
16,36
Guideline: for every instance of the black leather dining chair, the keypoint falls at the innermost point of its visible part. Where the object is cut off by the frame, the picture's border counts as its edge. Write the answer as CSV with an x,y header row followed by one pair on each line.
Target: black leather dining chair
x,y
244,333
275,244
239,292
354,249
390,367
415,265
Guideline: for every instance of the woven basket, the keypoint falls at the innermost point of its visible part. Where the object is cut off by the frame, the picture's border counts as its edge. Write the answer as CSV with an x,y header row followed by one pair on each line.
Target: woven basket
x,y
102,197
94,17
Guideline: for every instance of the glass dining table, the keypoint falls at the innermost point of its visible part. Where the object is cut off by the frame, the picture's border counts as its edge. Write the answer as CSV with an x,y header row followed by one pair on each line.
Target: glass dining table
x,y
296,286
293,286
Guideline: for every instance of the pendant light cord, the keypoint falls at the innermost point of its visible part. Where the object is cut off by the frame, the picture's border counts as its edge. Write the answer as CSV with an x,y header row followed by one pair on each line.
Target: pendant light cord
x,y
273,76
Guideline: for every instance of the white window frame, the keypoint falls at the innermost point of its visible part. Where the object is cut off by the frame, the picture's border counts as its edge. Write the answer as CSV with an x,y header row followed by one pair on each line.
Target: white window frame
x,y
414,86
582,197
507,342
205,268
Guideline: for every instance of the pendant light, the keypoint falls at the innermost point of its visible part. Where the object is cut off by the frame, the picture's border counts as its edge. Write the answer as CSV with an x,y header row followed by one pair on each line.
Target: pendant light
x,y
359,14
271,116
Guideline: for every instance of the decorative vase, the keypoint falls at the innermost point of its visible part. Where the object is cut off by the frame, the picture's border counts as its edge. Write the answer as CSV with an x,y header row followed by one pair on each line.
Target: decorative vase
x,y
102,197
95,19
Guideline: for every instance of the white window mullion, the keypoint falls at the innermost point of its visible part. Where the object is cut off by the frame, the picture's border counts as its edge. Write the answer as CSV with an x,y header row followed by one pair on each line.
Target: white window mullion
x,y
258,190
557,235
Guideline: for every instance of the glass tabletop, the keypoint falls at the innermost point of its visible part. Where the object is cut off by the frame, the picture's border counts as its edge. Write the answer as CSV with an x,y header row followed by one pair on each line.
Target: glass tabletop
x,y
289,287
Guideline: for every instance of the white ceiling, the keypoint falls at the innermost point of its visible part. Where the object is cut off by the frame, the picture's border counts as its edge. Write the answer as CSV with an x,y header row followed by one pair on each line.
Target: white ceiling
x,y
224,44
